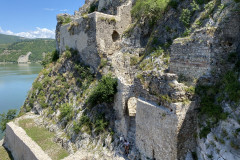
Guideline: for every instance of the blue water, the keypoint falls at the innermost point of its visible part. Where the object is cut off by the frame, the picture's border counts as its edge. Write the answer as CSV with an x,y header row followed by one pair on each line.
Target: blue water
x,y
15,82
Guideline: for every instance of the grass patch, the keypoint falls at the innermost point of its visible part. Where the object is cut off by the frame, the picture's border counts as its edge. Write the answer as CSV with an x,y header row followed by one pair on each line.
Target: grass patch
x,y
44,139
151,9
108,20
5,155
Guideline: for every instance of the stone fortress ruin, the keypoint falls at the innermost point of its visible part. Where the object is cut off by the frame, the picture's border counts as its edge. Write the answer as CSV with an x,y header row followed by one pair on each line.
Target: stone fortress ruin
x,y
154,130
161,131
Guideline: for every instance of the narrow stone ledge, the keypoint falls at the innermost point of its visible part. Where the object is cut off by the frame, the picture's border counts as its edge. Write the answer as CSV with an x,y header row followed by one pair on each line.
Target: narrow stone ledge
x,y
21,145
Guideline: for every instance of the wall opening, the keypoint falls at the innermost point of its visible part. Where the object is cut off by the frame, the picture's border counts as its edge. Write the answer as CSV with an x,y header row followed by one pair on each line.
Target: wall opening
x,y
132,105
115,36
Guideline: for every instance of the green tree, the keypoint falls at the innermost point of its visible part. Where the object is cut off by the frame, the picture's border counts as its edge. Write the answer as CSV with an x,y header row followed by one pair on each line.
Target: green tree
x,y
5,118
104,91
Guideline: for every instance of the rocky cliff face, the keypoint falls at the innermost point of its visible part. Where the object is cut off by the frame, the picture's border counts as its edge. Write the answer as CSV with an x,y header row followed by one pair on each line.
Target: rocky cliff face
x,y
169,85
24,58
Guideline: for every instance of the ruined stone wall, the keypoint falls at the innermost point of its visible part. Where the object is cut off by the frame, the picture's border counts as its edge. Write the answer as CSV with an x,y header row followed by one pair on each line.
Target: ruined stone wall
x,y
191,56
110,28
110,6
81,35
21,146
94,33
156,131
203,51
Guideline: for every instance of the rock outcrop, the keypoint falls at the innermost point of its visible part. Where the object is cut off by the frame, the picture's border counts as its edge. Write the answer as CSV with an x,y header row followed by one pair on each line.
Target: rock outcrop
x,y
24,58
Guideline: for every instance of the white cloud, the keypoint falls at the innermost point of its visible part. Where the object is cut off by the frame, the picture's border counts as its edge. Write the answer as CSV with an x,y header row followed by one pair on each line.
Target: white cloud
x,y
63,10
38,33
49,9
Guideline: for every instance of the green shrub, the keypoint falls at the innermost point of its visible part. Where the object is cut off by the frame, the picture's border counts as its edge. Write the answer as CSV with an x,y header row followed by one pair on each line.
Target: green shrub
x,y
152,9
232,57
103,63
221,141
198,22
182,78
67,54
237,1
194,155
234,145
186,32
5,118
37,85
232,86
100,125
173,4
50,57
166,98
104,91
66,111
205,131
195,6
209,8
70,52
64,20
93,7
83,122
185,17
190,90
202,1
134,60
209,106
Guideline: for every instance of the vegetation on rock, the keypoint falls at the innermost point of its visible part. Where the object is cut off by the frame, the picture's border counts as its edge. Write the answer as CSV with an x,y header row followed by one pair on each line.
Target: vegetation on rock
x,y
7,117
104,91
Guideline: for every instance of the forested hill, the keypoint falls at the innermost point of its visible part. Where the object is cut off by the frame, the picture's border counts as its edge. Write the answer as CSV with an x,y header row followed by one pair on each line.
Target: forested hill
x,y
8,39
11,52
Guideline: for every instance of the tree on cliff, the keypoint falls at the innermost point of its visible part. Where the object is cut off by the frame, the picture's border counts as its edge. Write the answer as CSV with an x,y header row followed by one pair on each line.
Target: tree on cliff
x,y
5,118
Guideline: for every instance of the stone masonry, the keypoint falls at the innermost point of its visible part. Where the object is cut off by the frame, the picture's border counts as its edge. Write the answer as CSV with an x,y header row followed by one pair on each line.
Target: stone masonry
x,y
191,56
156,131
94,33
21,146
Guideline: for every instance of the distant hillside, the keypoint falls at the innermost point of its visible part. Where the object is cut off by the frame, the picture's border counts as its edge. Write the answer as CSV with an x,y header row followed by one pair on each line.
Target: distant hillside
x,y
8,39
37,46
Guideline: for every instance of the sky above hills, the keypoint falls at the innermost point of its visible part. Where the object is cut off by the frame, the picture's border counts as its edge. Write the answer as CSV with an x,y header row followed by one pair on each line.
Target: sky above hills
x,y
33,18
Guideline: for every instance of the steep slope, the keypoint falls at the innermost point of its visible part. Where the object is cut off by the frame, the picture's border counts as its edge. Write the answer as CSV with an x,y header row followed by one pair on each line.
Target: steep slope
x,y
173,91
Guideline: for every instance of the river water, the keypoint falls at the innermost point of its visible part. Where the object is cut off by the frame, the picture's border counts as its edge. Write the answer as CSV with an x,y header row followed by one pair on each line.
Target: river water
x,y
15,82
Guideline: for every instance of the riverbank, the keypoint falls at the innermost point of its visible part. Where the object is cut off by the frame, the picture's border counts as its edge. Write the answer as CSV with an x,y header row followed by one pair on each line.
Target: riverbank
x,y
38,62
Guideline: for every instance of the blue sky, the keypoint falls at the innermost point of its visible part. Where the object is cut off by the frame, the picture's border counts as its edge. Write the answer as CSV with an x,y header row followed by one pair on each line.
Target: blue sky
x,y
33,18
